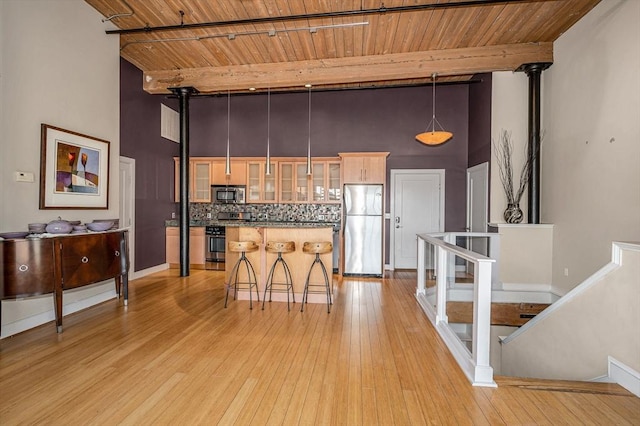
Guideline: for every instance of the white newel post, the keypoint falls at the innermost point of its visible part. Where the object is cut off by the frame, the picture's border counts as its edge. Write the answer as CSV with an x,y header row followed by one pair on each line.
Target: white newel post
x,y
483,375
494,253
422,278
441,284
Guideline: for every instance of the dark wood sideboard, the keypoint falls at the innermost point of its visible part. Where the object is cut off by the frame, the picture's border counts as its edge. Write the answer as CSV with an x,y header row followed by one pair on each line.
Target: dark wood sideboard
x,y
34,267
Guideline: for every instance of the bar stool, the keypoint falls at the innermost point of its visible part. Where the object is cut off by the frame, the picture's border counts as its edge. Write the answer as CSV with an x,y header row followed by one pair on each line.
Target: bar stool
x,y
242,247
317,248
287,286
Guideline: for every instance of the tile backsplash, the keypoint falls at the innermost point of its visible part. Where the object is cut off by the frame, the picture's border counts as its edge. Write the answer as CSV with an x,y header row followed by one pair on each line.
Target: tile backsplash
x,y
271,212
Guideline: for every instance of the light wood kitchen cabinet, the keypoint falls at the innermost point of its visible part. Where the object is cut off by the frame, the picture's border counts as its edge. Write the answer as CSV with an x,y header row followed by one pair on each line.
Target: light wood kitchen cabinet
x,y
364,167
260,187
294,182
200,172
323,186
197,240
333,182
238,174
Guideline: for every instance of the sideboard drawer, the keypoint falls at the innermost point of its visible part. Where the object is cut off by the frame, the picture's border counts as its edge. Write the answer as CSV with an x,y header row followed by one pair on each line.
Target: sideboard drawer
x,y
83,260
27,268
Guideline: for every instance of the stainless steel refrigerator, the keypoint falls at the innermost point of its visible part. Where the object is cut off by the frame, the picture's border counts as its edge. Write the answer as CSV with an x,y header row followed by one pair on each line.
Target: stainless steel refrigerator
x,y
363,220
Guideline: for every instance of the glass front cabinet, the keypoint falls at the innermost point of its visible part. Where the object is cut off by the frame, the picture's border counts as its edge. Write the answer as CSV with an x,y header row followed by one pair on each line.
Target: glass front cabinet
x,y
322,186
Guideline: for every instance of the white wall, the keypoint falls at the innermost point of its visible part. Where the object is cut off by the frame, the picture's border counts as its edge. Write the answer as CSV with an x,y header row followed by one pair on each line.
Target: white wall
x,y
509,111
57,67
591,158
573,339
589,191
526,256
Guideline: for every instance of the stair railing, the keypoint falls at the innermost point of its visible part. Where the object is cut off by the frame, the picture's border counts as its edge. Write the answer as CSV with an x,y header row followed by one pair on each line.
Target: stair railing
x,y
438,255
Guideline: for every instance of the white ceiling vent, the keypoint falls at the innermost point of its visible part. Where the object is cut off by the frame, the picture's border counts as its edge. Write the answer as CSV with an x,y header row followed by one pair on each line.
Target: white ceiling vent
x,y
169,123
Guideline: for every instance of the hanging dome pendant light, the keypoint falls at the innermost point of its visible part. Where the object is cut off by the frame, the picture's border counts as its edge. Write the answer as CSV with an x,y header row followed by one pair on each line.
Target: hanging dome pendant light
x,y
434,137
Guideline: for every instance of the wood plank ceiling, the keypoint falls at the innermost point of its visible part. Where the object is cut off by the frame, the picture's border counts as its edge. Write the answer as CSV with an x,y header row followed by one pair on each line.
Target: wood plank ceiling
x,y
233,45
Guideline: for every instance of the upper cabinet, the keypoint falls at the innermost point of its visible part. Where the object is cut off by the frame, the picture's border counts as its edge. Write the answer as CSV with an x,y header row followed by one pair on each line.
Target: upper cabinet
x,y
260,187
207,171
322,186
200,171
238,174
364,167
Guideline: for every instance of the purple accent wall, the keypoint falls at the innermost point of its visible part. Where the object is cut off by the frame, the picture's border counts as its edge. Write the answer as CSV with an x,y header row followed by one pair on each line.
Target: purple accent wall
x,y
140,139
480,120
341,121
355,120
480,123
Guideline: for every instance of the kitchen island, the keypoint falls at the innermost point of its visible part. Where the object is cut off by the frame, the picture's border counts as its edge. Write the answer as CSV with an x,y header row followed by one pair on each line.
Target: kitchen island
x,y
262,231
298,261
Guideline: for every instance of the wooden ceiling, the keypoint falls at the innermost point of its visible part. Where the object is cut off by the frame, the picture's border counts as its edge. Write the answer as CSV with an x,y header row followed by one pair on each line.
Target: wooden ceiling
x,y
222,45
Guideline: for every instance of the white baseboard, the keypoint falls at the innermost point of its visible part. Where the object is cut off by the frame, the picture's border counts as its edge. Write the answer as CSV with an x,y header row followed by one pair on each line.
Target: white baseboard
x,y
144,272
45,317
537,287
625,376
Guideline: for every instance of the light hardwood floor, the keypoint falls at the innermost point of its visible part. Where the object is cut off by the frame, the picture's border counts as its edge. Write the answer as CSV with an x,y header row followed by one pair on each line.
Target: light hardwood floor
x,y
175,356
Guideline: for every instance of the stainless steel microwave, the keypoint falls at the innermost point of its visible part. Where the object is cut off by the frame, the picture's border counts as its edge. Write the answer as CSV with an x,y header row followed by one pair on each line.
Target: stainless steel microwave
x,y
228,194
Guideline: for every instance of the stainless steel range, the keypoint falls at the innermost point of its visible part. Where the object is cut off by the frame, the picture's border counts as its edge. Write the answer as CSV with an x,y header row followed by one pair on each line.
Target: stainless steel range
x,y
214,251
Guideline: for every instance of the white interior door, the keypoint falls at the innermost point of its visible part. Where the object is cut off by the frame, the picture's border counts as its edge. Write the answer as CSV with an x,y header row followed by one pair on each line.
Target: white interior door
x,y
417,206
127,204
477,205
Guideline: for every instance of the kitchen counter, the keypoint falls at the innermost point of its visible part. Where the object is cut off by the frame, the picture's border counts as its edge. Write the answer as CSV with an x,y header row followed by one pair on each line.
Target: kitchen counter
x,y
256,224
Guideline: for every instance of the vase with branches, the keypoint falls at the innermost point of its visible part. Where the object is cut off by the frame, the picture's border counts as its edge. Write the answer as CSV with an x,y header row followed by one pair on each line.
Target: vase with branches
x,y
504,156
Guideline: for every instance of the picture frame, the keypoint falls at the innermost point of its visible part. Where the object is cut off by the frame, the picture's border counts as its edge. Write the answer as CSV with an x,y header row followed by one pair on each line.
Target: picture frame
x,y
74,170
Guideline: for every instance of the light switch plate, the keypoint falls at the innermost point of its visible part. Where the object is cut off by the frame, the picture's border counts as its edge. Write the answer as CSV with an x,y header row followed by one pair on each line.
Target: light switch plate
x,y
24,177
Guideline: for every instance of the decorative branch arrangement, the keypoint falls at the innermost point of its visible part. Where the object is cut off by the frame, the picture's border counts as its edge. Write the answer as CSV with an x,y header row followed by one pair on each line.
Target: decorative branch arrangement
x,y
504,155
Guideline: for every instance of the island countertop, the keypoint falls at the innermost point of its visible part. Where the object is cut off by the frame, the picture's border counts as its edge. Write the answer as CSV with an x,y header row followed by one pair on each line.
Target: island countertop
x,y
255,224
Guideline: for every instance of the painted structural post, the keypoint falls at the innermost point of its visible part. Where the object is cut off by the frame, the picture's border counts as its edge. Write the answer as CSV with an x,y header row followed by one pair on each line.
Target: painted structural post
x,y
183,94
534,71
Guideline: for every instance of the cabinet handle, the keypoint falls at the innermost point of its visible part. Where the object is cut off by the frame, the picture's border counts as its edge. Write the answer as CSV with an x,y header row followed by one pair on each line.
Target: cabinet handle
x,y
117,253
23,268
85,259
365,175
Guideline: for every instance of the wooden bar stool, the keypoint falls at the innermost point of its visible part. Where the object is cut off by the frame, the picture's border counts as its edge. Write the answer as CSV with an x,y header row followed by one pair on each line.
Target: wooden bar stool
x,y
242,247
281,287
317,248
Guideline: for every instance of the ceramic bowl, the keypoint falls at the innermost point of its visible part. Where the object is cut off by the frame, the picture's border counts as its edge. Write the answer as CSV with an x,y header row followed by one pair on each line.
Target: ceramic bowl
x,y
37,228
79,227
99,226
114,222
13,235
59,227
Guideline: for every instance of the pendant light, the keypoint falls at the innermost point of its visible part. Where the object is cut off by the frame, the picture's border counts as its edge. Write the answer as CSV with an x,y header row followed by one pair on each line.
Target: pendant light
x,y
309,168
434,137
227,163
267,167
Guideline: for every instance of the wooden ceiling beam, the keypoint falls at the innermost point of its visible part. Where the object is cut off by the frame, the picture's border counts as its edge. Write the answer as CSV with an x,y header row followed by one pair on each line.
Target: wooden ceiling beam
x,y
397,66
